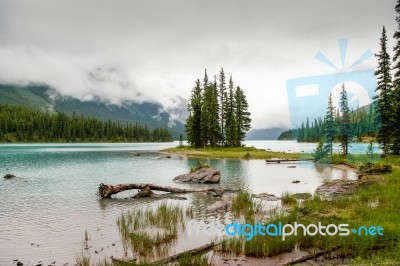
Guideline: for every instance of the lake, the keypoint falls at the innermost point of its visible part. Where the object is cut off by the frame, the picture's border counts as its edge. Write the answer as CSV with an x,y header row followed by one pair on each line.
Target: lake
x,y
46,209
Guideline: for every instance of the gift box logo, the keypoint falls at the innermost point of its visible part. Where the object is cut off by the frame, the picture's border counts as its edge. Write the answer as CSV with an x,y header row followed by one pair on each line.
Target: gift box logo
x,y
308,96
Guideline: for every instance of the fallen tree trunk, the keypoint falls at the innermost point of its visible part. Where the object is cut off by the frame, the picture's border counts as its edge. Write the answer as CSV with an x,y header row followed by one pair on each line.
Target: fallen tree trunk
x,y
148,193
105,191
191,252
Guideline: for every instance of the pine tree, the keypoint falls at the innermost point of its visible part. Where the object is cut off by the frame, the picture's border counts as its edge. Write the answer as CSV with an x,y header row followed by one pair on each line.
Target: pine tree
x,y
204,125
193,123
206,112
242,116
230,113
320,153
395,147
222,104
345,126
384,98
307,132
329,127
215,134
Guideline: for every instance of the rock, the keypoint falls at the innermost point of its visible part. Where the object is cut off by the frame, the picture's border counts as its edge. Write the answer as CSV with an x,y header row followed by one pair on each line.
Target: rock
x,y
266,196
295,181
219,206
337,187
202,175
9,176
164,157
19,263
215,193
302,196
291,166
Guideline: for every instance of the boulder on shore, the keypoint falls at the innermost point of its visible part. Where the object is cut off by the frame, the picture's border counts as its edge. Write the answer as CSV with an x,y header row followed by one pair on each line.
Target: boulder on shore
x,y
202,175
9,176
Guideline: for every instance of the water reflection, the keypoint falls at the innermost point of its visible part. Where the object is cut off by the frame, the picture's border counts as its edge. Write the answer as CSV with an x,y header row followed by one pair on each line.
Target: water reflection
x,y
53,199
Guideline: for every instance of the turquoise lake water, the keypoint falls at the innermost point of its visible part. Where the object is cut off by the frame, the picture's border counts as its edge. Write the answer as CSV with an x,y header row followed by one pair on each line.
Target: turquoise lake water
x,y
46,209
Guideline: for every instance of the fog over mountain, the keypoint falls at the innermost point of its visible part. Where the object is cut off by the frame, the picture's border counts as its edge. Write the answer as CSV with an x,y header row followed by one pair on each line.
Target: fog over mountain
x,y
152,51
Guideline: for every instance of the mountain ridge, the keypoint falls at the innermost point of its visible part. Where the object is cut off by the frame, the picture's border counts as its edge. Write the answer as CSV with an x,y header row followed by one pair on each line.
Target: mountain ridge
x,y
45,98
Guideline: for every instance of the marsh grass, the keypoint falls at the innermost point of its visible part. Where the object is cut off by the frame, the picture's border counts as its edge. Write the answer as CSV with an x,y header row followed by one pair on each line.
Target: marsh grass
x,y
104,262
150,231
372,205
243,205
288,199
82,259
198,260
246,207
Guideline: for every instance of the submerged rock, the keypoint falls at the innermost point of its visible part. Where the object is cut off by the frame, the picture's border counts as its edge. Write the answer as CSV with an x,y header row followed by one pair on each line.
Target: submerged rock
x,y
9,176
302,196
202,175
220,206
266,196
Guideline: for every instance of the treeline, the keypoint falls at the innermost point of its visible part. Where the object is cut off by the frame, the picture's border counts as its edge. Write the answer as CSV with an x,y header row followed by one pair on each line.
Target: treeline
x,y
21,124
389,92
219,114
364,122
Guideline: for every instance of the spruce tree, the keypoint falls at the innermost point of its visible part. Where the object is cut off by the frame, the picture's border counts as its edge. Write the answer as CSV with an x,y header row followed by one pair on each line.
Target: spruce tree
x,y
395,146
329,127
193,123
222,104
230,113
242,116
345,122
206,112
215,134
385,97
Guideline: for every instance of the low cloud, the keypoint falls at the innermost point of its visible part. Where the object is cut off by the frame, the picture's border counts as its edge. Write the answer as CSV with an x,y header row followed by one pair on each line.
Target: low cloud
x,y
154,50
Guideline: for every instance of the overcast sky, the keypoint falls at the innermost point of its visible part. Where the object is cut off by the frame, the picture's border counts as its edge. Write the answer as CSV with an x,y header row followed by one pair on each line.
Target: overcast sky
x,y
141,50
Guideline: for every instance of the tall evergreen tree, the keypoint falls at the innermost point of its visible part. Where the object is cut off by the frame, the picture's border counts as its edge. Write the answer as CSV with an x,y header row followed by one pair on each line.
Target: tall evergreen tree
x,y
385,97
204,125
329,127
345,122
242,116
206,112
215,128
395,146
230,113
222,104
193,123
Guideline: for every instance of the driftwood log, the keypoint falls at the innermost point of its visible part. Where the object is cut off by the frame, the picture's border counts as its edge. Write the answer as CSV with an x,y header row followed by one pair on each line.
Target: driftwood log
x,y
106,191
148,193
191,252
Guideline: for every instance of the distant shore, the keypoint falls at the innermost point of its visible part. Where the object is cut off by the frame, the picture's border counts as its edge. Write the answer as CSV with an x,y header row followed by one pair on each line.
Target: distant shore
x,y
232,153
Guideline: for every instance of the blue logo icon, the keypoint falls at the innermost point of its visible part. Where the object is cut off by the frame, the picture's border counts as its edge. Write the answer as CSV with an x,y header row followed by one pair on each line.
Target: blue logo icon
x,y
308,96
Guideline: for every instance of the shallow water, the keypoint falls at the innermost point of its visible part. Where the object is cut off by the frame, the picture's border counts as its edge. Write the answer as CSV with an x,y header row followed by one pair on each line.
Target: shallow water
x,y
45,211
